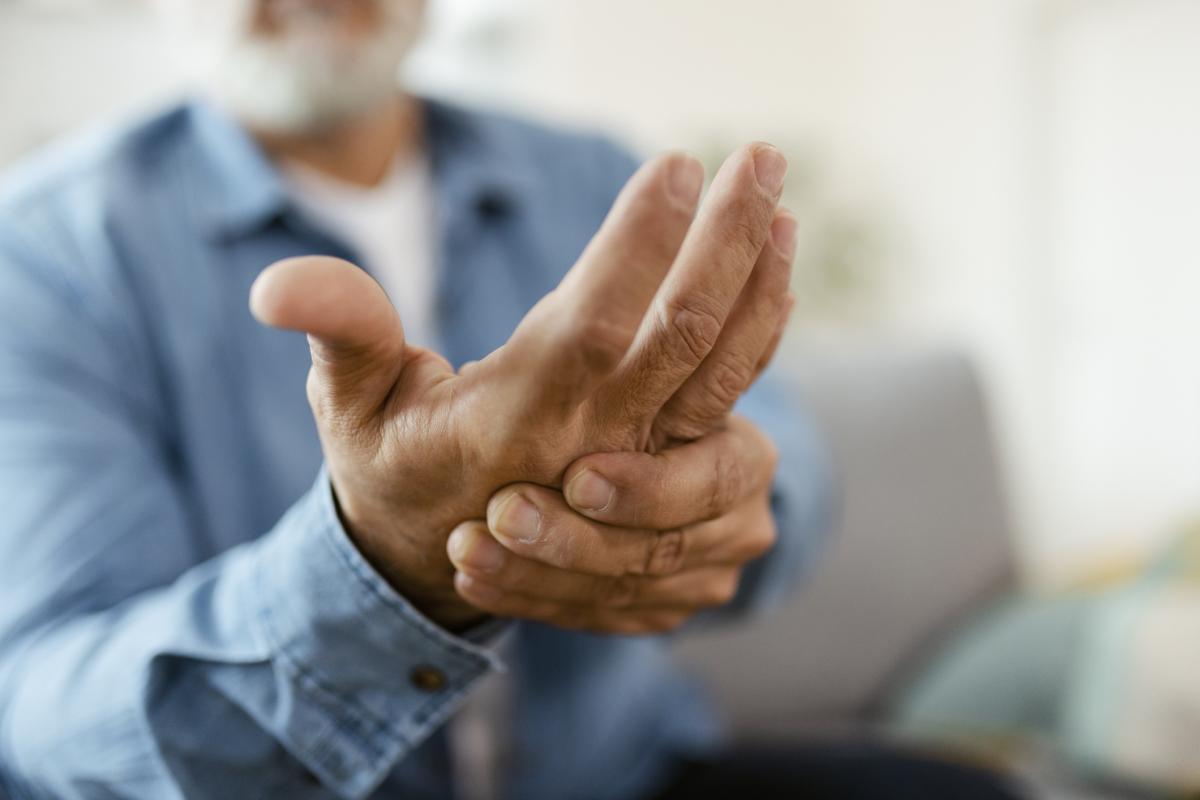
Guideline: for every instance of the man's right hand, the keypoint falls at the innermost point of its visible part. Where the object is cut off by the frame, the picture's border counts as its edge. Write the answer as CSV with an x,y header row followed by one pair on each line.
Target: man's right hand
x,y
414,448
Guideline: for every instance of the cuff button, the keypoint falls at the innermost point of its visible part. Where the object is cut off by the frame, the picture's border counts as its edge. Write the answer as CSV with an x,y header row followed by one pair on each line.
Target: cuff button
x,y
428,679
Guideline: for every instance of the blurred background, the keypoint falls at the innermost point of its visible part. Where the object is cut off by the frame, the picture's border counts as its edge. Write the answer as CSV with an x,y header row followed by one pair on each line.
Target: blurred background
x,y
1015,183
1019,179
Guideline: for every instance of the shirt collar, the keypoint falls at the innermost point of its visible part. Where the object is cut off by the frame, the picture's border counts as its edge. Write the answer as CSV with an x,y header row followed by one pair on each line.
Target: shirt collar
x,y
476,171
477,166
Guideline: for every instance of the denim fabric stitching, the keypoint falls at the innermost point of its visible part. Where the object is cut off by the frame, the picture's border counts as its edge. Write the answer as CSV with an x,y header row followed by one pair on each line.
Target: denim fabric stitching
x,y
348,719
332,532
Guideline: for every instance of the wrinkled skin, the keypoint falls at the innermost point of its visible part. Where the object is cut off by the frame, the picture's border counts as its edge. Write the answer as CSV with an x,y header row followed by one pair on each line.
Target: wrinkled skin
x,y
664,321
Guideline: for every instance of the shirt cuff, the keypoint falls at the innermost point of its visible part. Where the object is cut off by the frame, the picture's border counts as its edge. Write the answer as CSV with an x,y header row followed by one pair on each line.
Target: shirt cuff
x,y
370,677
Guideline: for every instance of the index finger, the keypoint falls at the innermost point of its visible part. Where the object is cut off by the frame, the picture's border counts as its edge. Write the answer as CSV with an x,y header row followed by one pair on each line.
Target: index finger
x,y
676,487
535,522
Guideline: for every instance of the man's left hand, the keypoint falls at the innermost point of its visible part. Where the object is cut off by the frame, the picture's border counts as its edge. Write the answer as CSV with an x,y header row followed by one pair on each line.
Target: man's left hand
x,y
635,543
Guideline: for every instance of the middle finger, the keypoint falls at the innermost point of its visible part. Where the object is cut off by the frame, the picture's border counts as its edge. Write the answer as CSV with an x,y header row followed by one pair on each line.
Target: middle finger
x,y
475,553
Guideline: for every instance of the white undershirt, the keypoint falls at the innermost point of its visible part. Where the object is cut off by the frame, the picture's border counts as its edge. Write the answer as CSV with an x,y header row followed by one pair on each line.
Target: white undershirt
x,y
390,226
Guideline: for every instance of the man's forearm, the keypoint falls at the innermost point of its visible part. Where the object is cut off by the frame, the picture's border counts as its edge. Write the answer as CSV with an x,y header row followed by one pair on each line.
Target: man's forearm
x,y
290,644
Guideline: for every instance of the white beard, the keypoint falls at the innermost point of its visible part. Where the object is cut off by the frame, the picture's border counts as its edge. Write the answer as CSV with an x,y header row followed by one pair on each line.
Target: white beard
x,y
303,80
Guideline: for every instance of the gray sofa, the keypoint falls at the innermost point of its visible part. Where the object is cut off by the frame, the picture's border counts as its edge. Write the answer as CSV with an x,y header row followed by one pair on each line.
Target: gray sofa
x,y
922,541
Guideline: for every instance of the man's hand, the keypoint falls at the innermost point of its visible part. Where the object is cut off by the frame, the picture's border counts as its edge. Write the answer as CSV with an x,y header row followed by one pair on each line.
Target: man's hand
x,y
413,448
646,541
642,541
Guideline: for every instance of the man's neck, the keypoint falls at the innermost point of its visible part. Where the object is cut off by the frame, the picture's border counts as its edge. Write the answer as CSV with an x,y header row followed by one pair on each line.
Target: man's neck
x,y
359,151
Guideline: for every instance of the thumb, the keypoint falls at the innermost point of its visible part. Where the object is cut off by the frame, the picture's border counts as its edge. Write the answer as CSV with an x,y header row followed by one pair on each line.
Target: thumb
x,y
354,333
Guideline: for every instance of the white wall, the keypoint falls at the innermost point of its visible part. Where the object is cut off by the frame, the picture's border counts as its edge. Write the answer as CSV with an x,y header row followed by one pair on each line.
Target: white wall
x,y
1035,166
1122,424
61,63
1029,167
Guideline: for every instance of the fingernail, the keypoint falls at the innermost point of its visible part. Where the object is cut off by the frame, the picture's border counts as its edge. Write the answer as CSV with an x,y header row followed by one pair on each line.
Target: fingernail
x,y
519,519
685,180
589,491
783,234
480,553
770,167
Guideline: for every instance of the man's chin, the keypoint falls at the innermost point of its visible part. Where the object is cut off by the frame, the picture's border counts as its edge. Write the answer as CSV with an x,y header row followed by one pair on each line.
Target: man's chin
x,y
299,117
271,93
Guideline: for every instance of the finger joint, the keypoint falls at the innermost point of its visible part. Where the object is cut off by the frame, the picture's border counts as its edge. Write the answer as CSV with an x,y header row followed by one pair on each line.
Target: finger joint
x,y
728,478
666,553
694,326
599,341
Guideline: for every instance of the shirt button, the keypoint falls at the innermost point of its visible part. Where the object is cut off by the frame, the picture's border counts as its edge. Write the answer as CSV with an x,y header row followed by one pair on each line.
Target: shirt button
x,y
428,679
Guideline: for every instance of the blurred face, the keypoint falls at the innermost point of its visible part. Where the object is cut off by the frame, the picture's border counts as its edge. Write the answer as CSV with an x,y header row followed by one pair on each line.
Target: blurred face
x,y
295,66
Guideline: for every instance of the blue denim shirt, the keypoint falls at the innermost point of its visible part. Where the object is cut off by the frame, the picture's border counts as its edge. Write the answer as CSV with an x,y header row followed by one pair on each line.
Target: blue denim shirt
x,y
181,613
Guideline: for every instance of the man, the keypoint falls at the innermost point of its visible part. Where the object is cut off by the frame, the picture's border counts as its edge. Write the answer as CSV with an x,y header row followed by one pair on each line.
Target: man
x,y
205,596
194,605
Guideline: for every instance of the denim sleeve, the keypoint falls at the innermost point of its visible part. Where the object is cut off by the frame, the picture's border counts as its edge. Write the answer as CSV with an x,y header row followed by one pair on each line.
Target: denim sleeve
x,y
132,666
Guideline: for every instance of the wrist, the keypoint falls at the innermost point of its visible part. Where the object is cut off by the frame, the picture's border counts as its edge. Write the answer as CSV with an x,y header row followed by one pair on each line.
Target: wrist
x,y
424,577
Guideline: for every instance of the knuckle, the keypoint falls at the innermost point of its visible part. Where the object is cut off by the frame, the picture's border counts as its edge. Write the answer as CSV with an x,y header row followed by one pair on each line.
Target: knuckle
x,y
665,553
688,428
728,378
729,477
693,326
684,421
599,341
